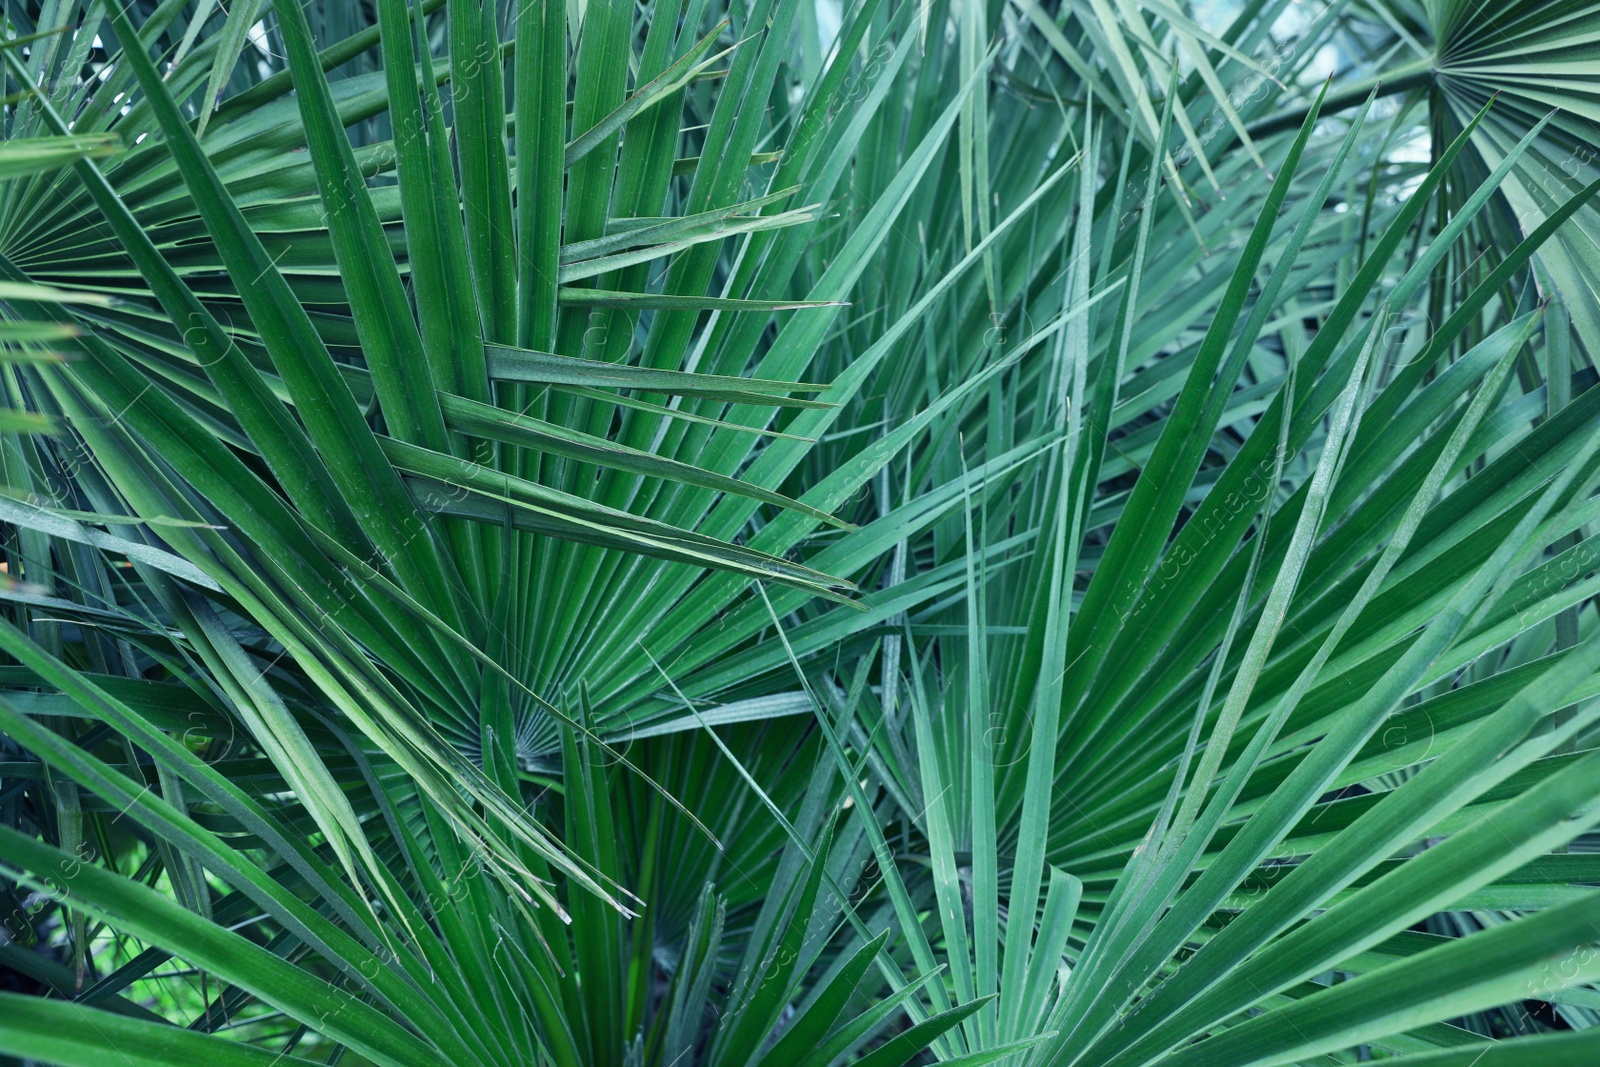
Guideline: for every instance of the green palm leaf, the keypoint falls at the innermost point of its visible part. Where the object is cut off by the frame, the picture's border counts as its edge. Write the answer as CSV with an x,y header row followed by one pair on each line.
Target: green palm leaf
x,y
785,532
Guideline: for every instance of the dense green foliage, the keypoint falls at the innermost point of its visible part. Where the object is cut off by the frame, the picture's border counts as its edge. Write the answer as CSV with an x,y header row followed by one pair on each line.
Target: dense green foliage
x,y
1048,532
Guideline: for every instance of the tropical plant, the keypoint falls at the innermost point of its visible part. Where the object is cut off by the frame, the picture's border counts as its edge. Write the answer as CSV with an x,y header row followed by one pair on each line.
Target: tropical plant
x,y
800,533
